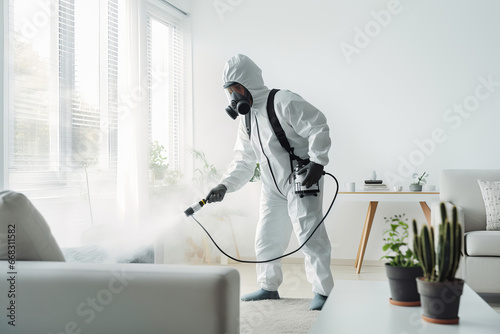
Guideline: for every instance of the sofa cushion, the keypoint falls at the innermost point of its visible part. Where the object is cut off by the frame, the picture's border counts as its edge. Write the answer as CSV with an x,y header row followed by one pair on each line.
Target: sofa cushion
x,y
20,222
482,243
490,190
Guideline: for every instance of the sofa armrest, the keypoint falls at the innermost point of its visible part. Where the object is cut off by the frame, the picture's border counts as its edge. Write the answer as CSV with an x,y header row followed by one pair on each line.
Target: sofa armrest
x,y
55,297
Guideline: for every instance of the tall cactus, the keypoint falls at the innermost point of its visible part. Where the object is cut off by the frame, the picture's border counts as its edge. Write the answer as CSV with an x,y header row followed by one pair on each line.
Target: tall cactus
x,y
450,245
448,250
423,246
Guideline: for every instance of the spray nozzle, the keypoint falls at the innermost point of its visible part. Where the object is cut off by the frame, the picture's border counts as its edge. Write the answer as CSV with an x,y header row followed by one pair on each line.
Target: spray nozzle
x,y
195,207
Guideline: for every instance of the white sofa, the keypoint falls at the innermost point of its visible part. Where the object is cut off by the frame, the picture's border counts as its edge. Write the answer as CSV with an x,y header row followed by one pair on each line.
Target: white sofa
x,y
62,297
49,295
480,266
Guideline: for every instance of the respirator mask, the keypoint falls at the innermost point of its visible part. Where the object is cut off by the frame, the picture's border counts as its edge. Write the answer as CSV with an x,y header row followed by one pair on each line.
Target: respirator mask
x,y
239,98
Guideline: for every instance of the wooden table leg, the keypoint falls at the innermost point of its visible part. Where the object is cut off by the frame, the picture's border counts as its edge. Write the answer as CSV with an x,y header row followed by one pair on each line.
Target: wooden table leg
x,y
427,212
366,233
361,240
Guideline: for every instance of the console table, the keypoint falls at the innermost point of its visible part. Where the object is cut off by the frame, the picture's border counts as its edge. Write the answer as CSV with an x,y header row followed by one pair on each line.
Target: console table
x,y
373,197
363,307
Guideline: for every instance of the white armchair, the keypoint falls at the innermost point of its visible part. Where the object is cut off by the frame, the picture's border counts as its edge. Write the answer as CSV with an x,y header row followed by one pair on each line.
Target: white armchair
x,y
480,266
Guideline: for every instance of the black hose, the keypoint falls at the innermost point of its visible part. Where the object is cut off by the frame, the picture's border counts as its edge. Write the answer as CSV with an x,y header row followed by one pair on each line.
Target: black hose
x,y
284,255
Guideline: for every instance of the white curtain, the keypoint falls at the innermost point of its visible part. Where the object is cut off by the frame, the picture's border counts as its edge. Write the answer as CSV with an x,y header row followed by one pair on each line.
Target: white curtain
x,y
132,173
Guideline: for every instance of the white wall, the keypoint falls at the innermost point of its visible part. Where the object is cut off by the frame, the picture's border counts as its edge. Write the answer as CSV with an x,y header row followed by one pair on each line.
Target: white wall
x,y
412,97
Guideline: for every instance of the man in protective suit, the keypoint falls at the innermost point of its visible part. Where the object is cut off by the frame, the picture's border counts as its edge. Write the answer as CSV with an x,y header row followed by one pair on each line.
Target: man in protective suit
x,y
281,210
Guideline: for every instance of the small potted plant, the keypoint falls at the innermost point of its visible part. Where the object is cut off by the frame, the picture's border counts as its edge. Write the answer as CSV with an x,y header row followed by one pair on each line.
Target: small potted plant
x,y
439,289
418,181
157,160
403,267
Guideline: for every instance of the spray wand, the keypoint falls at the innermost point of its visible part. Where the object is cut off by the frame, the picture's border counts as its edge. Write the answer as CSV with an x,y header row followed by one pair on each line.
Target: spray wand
x,y
195,207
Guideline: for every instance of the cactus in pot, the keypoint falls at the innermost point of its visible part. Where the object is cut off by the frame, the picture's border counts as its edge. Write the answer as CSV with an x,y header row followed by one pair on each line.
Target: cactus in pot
x,y
440,266
423,246
449,248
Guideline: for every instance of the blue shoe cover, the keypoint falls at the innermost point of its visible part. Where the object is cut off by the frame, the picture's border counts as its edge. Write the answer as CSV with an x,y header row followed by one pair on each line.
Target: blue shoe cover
x,y
260,295
318,302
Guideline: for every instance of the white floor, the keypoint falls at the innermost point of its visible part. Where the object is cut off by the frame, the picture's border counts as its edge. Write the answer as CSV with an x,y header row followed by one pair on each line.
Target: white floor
x,y
295,284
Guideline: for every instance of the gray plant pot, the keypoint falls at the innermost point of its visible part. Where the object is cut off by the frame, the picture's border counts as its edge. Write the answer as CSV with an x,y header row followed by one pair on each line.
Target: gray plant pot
x,y
159,172
440,300
415,187
403,285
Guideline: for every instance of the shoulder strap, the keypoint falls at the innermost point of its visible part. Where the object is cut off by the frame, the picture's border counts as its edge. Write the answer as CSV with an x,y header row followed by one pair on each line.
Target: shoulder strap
x,y
278,130
275,123
248,118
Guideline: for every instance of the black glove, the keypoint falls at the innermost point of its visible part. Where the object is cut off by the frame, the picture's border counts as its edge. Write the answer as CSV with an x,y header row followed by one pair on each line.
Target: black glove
x,y
314,173
216,194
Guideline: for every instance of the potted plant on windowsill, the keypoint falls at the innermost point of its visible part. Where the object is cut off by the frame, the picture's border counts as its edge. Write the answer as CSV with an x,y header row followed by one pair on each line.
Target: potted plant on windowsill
x,y
439,289
418,181
403,267
157,160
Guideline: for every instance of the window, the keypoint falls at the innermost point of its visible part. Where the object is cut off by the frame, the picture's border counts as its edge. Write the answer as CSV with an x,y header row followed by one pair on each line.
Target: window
x,y
66,84
167,84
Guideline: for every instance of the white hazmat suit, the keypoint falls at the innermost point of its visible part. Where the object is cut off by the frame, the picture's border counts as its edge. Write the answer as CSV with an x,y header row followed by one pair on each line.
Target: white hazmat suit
x,y
281,210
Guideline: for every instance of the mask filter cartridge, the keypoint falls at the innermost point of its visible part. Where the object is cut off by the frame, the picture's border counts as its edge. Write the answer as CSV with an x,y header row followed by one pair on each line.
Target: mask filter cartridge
x,y
239,106
239,99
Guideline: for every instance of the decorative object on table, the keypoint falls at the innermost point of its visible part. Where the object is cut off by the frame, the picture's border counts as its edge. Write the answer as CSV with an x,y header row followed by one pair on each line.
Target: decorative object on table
x,y
429,187
439,289
375,185
397,188
418,181
350,186
403,267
